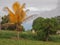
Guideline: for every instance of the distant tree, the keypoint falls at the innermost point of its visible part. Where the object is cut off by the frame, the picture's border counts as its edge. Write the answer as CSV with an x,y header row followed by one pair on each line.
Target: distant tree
x,y
45,27
58,20
4,19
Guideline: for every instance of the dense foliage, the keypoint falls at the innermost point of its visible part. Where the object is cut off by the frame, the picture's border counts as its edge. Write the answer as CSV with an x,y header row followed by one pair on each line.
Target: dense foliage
x,y
58,20
45,27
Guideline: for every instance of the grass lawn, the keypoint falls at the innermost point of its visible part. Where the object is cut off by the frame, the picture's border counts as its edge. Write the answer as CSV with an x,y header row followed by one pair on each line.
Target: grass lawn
x,y
5,39
25,42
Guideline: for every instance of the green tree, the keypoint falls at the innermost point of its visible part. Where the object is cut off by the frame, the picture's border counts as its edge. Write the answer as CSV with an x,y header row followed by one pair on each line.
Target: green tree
x,y
45,27
4,19
37,23
58,20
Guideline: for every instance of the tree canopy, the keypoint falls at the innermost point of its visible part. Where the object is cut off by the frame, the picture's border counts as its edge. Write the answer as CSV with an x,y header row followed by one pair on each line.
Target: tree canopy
x,y
47,25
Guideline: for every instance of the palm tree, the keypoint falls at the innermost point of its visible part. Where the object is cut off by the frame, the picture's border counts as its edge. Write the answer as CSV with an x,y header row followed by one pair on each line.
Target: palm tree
x,y
18,17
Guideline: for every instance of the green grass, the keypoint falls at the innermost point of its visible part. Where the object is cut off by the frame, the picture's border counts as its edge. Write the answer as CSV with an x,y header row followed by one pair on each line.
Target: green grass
x,y
6,39
25,42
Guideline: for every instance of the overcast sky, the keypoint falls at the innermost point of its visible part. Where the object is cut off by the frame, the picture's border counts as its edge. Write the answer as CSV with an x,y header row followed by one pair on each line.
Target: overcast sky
x,y
33,5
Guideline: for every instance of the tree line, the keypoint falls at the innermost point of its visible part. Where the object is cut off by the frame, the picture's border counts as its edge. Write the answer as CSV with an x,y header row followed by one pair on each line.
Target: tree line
x,y
44,27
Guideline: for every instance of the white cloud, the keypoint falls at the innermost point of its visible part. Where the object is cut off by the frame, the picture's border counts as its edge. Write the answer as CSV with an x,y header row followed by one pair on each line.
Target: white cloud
x,y
39,9
33,9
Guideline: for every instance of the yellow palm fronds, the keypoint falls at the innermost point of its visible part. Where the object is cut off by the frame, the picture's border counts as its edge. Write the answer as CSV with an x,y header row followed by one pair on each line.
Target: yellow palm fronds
x,y
19,14
11,16
16,6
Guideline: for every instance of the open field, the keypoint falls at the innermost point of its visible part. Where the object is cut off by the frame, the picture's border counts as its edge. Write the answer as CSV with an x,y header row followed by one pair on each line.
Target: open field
x,y
25,42
5,39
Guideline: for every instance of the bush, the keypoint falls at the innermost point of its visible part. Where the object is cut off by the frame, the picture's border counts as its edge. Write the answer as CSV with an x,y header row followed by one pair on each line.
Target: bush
x,y
29,36
40,35
7,34
55,38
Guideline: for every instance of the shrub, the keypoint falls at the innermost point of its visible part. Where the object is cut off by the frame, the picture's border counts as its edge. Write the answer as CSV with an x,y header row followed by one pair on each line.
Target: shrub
x,y
40,35
55,38
29,36
7,35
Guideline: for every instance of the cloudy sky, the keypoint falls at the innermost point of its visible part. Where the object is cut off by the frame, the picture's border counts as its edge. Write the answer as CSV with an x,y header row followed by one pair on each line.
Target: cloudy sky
x,y
33,5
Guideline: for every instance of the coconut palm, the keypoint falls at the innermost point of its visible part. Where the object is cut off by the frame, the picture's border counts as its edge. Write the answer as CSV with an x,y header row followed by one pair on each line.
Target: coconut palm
x,y
18,16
